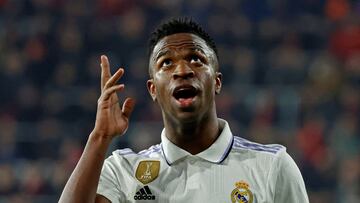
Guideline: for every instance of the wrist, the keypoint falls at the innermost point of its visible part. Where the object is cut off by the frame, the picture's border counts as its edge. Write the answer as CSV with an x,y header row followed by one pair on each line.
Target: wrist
x,y
98,136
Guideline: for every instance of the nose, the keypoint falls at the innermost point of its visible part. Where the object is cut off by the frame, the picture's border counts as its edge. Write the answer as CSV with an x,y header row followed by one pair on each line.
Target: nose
x,y
182,70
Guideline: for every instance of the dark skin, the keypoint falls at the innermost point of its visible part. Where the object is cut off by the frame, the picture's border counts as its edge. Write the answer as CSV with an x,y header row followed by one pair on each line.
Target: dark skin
x,y
180,61
111,120
183,60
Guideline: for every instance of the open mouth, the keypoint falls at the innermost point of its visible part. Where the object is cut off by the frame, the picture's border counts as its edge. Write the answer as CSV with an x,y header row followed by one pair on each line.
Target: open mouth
x,y
185,92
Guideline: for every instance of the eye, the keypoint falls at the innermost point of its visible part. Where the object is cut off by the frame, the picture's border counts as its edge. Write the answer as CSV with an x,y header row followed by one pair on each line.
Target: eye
x,y
166,63
195,59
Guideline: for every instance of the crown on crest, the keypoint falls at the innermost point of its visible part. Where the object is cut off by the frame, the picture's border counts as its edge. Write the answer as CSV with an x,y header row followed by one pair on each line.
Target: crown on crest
x,y
242,184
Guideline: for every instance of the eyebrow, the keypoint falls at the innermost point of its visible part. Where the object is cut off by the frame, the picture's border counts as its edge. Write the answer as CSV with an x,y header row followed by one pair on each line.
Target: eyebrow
x,y
193,49
161,53
197,49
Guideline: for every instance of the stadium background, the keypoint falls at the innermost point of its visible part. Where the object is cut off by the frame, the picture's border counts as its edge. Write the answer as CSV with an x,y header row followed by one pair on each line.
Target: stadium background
x,y
291,76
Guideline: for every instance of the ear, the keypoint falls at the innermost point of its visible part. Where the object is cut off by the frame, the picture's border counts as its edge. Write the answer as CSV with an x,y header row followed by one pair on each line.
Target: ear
x,y
218,82
151,88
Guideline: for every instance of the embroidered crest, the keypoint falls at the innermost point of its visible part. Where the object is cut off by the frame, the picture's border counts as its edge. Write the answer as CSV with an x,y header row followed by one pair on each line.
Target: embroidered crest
x,y
241,193
147,171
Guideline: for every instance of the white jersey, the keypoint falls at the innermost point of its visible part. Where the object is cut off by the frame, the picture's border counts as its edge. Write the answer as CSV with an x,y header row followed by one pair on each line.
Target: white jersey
x,y
232,169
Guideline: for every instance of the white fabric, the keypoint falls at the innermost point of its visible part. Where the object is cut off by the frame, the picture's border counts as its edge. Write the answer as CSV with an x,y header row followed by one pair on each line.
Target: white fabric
x,y
210,176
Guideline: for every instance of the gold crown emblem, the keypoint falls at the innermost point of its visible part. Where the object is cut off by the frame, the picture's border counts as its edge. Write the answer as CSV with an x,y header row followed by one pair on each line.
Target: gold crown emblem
x,y
242,184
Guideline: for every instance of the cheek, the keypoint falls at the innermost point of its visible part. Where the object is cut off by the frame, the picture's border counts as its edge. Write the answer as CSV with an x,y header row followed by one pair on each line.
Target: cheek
x,y
161,84
209,80
161,76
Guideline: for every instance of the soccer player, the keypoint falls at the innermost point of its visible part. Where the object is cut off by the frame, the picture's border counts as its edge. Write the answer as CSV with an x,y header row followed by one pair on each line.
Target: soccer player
x,y
198,159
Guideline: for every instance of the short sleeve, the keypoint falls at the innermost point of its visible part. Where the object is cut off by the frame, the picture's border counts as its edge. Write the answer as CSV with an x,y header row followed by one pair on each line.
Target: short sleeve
x,y
288,184
108,183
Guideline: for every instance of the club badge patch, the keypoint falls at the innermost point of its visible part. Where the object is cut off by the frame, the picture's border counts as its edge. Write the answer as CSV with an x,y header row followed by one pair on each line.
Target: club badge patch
x,y
147,171
242,193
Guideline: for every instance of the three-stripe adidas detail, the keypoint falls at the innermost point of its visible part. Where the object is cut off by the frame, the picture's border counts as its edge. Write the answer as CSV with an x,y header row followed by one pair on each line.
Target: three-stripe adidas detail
x,y
144,194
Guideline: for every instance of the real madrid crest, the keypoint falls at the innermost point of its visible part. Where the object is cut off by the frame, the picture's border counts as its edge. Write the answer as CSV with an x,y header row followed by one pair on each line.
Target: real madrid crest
x,y
242,193
147,171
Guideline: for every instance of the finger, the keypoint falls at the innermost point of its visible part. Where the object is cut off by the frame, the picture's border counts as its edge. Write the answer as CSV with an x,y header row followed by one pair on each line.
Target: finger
x,y
128,107
108,92
114,79
105,70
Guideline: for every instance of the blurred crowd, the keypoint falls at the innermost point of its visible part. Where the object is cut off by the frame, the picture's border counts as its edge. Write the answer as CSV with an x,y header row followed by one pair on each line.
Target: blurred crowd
x,y
291,75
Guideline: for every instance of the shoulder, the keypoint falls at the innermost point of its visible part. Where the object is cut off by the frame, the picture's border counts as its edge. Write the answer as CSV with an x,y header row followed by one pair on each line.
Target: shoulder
x,y
242,144
264,156
155,149
129,154
274,156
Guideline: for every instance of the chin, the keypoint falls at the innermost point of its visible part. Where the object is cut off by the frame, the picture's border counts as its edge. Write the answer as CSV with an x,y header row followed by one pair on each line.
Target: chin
x,y
184,116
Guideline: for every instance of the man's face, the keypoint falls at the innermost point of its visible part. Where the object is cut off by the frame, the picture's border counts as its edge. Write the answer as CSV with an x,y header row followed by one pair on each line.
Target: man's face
x,y
184,79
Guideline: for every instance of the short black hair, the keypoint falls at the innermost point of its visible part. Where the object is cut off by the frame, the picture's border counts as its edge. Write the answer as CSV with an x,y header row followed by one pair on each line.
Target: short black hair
x,y
179,25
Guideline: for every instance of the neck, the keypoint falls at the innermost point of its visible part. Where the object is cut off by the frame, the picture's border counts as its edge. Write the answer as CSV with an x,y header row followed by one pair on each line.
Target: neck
x,y
194,136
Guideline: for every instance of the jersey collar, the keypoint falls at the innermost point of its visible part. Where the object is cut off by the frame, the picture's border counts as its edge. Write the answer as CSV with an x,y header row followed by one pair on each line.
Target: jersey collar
x,y
216,153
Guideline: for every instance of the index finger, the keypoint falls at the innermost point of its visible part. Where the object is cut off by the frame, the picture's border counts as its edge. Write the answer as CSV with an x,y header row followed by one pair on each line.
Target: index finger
x,y
105,71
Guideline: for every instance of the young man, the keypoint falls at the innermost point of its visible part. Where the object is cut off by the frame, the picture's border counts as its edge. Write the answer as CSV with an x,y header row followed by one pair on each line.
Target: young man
x,y
199,159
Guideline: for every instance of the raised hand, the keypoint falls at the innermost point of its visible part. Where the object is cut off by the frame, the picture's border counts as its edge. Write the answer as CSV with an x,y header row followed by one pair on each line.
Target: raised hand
x,y
111,120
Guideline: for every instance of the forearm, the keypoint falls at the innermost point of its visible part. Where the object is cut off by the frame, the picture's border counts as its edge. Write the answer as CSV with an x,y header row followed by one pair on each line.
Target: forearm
x,y
82,184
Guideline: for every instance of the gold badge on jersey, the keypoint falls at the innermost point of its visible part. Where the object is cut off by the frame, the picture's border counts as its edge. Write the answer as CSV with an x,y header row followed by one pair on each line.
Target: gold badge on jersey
x,y
147,171
242,193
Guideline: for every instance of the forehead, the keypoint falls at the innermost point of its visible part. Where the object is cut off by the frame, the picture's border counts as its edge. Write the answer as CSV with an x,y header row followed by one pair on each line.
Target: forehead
x,y
180,41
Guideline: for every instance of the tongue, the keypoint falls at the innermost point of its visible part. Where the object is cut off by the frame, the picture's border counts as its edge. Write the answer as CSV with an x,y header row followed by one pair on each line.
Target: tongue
x,y
185,101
